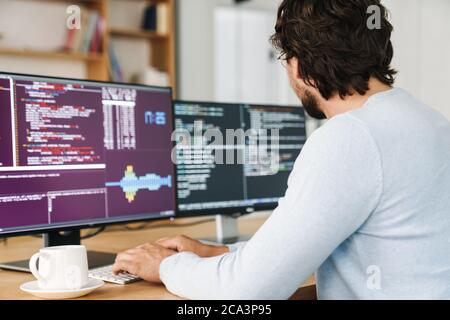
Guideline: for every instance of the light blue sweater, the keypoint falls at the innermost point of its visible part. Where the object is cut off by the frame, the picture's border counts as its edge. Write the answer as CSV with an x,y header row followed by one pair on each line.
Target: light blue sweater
x,y
367,207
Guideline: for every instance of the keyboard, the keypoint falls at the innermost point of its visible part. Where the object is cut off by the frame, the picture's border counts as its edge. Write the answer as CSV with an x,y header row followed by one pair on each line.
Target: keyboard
x,y
106,274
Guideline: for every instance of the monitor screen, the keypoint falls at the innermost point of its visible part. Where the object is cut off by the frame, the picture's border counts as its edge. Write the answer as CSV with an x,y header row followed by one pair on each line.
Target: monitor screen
x,y
206,184
76,153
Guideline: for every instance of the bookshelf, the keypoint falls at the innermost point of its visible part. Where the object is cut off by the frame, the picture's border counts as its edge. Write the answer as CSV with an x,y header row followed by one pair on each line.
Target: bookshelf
x,y
150,35
98,65
50,54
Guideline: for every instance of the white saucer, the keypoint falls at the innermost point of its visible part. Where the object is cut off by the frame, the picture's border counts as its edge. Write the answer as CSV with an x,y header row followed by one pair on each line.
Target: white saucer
x,y
33,288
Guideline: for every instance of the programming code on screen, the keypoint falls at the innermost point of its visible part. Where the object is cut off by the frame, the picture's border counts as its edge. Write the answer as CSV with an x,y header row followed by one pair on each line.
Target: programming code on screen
x,y
246,183
75,152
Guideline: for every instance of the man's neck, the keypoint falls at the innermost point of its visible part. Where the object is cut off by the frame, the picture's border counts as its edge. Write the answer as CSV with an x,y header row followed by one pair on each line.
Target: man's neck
x,y
335,105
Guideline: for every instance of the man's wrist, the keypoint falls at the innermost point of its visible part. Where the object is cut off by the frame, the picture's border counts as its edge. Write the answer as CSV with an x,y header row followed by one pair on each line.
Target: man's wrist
x,y
218,250
213,251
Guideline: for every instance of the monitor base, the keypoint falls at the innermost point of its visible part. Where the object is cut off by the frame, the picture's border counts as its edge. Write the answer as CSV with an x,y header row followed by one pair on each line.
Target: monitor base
x,y
226,231
226,241
72,237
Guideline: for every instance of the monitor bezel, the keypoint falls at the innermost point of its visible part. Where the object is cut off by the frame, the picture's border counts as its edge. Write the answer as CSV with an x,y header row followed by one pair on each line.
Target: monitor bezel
x,y
228,211
86,224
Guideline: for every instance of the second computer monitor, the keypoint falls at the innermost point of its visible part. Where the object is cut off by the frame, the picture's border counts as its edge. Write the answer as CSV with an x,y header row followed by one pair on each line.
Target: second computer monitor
x,y
208,184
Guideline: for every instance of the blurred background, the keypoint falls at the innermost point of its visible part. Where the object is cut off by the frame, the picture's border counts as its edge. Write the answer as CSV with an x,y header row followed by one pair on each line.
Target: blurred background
x,y
213,50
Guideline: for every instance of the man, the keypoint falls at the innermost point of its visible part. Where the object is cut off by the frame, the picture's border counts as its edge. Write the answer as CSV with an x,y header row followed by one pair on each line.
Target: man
x,y
367,205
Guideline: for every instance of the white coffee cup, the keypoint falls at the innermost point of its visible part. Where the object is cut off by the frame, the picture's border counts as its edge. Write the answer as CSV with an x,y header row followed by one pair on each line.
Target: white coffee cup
x,y
61,267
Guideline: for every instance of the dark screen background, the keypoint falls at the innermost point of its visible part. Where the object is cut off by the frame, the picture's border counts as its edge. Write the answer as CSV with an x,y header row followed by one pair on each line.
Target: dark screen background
x,y
230,182
225,181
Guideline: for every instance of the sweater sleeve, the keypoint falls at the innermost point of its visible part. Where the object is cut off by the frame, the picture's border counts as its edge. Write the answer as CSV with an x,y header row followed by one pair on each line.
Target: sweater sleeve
x,y
235,246
335,186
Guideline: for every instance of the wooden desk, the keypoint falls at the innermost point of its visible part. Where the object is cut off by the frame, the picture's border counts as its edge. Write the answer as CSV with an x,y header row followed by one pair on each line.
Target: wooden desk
x,y
116,239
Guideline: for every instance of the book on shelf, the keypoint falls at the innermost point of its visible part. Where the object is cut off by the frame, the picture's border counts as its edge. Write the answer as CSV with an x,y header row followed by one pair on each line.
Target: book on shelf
x,y
89,38
70,36
115,70
96,43
149,20
162,18
156,18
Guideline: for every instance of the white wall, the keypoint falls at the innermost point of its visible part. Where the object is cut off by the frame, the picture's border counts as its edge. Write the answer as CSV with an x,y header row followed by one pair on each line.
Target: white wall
x,y
422,49
246,68
421,43
195,65
195,35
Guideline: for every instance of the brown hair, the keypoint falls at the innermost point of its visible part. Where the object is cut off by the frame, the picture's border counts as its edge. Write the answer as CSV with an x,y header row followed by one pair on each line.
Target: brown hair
x,y
336,50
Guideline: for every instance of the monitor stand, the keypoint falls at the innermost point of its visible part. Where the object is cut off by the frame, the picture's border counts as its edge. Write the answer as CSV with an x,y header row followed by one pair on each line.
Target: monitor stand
x,y
95,259
227,230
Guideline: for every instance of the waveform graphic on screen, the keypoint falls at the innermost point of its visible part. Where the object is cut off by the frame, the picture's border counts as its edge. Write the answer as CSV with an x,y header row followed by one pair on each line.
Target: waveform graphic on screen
x,y
131,183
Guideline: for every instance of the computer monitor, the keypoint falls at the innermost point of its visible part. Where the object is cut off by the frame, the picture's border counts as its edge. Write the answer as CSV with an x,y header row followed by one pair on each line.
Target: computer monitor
x,y
77,154
206,186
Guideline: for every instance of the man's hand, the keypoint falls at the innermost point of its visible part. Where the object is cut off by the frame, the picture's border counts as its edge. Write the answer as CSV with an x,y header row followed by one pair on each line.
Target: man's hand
x,y
186,244
143,261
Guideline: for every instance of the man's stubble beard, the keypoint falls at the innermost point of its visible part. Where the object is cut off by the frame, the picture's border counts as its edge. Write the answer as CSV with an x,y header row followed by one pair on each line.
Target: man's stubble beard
x,y
311,106
309,102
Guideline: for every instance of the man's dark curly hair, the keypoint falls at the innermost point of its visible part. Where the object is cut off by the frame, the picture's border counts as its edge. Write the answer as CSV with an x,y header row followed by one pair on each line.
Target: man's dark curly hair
x,y
336,50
